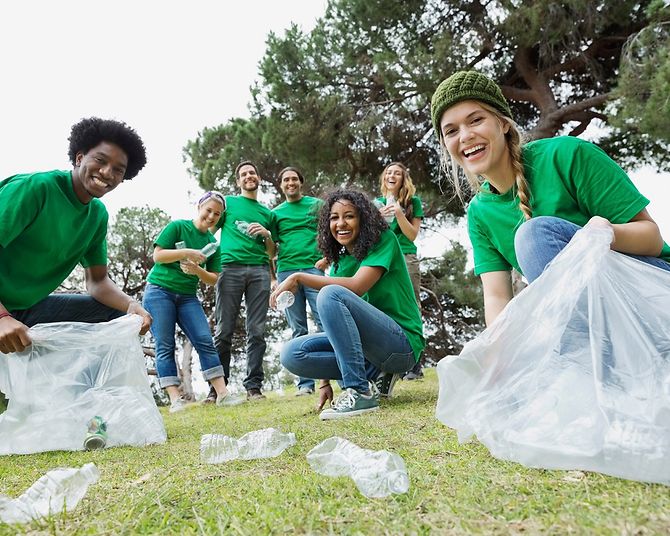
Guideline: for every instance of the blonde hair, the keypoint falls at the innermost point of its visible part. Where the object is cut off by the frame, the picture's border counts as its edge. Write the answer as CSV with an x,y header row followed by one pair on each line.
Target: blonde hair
x,y
514,143
407,189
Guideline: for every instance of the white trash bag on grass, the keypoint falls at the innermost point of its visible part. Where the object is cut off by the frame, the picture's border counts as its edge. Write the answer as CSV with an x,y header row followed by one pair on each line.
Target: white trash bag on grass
x,y
575,372
72,372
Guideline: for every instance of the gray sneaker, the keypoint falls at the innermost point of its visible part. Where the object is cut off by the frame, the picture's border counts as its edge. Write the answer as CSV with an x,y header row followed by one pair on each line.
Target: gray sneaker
x,y
350,403
385,383
228,400
180,404
304,391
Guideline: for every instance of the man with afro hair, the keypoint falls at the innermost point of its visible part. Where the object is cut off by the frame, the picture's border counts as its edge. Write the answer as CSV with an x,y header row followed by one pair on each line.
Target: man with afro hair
x,y
51,221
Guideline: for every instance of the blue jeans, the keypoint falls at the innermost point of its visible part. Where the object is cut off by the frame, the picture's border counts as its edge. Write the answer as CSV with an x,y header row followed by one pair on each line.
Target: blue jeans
x,y
358,340
66,308
252,282
169,309
540,239
296,315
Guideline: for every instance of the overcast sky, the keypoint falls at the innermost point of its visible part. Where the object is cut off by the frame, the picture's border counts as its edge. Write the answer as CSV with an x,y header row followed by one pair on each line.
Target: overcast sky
x,y
168,69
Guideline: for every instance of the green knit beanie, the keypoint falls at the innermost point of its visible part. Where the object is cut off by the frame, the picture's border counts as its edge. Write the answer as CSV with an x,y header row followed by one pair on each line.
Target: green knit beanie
x,y
466,85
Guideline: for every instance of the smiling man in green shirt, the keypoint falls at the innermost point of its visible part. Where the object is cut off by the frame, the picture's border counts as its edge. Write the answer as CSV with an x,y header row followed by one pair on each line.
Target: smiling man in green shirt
x,y
297,221
247,244
52,221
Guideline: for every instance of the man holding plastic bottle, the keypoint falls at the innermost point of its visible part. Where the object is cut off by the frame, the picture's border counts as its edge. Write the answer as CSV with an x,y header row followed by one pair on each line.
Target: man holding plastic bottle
x,y
297,220
247,245
51,221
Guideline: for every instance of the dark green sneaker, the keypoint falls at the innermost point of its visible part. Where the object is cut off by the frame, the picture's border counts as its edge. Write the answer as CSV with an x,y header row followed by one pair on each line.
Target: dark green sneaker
x,y
385,383
348,404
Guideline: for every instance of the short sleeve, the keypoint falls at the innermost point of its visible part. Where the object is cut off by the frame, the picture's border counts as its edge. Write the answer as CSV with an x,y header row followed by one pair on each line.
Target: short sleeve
x,y
417,207
168,237
486,256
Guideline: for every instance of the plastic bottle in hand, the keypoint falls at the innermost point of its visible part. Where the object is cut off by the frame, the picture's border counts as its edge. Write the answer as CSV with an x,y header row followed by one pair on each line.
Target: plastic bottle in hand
x,y
57,489
209,249
285,300
390,200
266,443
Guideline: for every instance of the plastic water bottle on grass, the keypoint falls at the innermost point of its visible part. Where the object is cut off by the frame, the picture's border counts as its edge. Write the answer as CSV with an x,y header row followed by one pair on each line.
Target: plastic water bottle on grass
x,y
57,490
266,443
375,473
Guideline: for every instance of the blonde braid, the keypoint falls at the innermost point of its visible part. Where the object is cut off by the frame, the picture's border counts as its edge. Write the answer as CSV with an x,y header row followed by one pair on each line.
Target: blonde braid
x,y
523,191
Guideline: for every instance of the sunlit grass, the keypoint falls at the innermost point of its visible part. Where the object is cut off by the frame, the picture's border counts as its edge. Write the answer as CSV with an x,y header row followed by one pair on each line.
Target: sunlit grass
x,y
454,488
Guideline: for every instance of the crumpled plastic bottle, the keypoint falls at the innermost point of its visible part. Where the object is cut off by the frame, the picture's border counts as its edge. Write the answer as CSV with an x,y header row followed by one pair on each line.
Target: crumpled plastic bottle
x,y
57,489
375,473
285,300
266,443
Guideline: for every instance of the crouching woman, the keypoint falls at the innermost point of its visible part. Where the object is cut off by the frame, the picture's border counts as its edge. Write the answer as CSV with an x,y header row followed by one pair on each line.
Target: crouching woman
x,y
371,322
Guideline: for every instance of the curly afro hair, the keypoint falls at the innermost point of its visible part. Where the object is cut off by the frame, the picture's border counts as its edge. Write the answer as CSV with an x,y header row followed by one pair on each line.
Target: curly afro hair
x,y
371,225
90,132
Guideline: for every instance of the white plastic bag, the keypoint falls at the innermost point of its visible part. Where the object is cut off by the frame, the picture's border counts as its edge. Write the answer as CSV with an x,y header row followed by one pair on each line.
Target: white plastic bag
x,y
72,372
575,372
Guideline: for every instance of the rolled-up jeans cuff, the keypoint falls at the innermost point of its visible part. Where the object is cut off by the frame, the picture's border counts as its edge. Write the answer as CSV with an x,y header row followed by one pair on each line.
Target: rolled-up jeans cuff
x,y
214,372
167,381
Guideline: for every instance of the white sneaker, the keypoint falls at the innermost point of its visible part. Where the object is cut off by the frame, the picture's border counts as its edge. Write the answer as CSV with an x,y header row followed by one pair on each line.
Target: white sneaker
x,y
180,404
229,400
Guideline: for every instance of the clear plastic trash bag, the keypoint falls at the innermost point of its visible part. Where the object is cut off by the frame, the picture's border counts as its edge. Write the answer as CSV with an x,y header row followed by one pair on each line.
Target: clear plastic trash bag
x,y
72,372
575,372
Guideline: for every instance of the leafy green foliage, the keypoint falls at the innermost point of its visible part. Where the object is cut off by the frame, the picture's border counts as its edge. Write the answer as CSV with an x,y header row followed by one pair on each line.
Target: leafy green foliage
x,y
130,246
644,83
353,94
453,306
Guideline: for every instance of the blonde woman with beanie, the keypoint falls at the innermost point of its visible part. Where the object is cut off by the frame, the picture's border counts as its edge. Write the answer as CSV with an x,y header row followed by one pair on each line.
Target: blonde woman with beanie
x,y
529,200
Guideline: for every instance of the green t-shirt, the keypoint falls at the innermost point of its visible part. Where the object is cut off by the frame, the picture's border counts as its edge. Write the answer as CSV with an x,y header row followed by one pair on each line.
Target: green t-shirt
x,y
392,293
44,232
169,275
568,178
236,246
406,245
297,223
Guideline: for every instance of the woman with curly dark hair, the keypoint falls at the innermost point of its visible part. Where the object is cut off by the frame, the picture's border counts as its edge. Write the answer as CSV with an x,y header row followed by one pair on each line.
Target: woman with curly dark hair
x,y
371,321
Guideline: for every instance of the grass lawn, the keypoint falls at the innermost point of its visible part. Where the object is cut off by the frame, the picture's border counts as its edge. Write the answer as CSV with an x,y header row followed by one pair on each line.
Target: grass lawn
x,y
165,489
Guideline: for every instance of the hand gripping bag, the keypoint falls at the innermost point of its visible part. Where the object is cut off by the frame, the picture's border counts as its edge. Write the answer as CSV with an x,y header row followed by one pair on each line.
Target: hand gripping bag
x,y
72,372
575,372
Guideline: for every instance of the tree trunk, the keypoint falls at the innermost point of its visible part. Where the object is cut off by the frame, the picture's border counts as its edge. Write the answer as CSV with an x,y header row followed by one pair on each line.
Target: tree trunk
x,y
186,370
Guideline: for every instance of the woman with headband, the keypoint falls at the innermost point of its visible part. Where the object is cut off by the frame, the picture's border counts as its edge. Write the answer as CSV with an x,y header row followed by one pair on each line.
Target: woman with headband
x,y
185,253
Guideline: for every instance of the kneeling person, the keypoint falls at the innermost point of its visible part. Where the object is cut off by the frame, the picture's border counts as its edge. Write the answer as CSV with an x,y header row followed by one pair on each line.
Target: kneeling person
x,y
51,221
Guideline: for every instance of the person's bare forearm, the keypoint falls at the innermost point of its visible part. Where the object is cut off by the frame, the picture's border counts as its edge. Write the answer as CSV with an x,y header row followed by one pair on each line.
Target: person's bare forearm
x,y
637,238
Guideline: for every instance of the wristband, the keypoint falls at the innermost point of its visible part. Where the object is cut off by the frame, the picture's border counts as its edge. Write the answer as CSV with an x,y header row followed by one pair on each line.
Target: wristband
x,y
325,385
6,313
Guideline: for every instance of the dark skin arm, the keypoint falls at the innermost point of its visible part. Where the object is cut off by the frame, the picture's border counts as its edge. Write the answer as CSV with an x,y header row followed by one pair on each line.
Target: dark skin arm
x,y
103,289
14,334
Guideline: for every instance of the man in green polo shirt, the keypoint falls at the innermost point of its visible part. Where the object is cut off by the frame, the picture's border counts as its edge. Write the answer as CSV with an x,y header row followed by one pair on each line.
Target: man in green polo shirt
x,y
52,221
248,235
297,220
